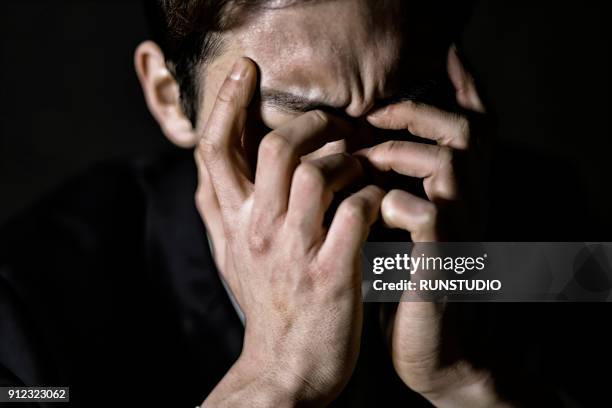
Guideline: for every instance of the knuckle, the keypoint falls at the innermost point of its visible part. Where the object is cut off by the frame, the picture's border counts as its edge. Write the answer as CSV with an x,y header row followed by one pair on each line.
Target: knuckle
x,y
428,214
393,197
411,104
441,187
411,107
406,106
390,145
355,209
258,243
442,184
390,205
309,175
411,126
274,145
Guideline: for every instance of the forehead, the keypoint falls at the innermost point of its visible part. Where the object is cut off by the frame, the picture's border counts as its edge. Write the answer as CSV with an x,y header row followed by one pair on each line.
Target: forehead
x,y
349,55
310,47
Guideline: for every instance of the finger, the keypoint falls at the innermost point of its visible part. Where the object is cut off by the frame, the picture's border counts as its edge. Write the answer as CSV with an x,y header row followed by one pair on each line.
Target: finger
x,y
463,82
416,215
407,158
446,128
220,144
432,163
209,210
312,190
351,225
279,155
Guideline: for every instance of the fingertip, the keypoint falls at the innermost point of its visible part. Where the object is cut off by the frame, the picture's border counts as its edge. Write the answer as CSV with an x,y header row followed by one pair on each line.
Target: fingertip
x,y
393,116
453,51
388,208
243,68
463,82
362,154
239,85
377,116
455,68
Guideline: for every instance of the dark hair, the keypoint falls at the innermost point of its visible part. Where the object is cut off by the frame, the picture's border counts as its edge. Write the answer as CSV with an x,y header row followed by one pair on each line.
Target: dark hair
x,y
189,33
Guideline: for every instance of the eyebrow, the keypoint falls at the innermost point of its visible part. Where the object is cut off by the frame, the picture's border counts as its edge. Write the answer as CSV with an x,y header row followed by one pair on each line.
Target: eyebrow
x,y
289,102
294,103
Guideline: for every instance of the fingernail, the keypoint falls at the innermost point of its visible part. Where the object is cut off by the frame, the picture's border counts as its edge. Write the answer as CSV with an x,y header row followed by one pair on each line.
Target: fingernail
x,y
239,70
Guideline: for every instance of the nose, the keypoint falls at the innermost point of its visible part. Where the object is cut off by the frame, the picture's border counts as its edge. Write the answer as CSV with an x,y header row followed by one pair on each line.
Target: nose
x,y
359,108
362,101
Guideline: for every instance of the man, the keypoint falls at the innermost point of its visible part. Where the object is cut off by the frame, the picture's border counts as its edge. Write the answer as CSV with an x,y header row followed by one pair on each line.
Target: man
x,y
293,109
289,274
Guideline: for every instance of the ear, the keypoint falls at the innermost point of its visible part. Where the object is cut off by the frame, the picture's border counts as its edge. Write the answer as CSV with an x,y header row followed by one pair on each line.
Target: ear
x,y
161,92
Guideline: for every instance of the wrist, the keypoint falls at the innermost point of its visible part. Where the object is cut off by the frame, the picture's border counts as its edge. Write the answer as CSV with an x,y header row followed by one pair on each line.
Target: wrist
x,y
288,366
287,374
262,384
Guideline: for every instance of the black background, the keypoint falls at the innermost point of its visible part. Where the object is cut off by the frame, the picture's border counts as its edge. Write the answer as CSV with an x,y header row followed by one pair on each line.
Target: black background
x,y
69,98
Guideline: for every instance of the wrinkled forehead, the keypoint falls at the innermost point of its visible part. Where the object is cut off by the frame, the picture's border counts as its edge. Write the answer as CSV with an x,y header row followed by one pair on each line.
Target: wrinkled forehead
x,y
308,48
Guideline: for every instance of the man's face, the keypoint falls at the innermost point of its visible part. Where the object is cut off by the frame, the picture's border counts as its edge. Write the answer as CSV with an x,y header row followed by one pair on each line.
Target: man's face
x,y
348,56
